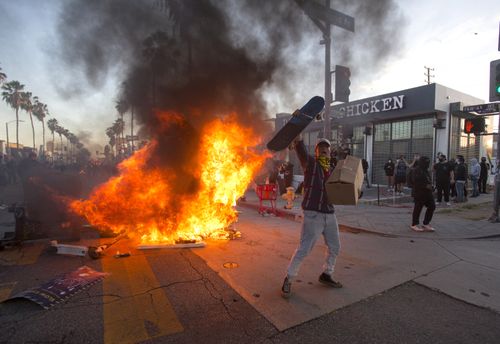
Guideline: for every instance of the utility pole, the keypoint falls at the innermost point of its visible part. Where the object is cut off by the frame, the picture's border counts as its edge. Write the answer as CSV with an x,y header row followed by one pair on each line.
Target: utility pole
x,y
428,74
324,17
327,130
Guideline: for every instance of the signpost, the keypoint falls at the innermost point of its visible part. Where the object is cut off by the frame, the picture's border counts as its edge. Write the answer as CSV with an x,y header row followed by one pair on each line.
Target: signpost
x,y
324,17
483,109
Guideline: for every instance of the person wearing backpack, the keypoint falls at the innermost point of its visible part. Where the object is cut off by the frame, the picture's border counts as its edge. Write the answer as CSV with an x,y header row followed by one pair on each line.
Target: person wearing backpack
x,y
422,194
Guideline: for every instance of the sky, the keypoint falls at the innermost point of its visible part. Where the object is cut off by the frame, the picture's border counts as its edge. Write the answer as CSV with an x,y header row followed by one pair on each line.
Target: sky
x,y
458,39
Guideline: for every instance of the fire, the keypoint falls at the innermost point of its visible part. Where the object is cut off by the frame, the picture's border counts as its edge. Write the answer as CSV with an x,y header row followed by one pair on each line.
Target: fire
x,y
141,200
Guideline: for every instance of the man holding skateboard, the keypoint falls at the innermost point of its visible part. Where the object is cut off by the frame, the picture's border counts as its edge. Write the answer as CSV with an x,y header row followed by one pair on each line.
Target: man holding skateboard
x,y
319,215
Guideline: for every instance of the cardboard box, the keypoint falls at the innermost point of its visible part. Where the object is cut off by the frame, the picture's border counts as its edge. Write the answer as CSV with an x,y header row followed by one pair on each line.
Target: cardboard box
x,y
345,184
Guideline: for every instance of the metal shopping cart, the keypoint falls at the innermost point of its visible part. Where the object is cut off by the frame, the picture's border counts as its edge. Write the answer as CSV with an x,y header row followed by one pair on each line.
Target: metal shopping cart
x,y
267,192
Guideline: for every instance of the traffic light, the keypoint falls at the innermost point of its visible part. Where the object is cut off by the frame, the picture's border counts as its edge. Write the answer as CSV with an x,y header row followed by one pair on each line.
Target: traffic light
x,y
342,83
495,81
474,125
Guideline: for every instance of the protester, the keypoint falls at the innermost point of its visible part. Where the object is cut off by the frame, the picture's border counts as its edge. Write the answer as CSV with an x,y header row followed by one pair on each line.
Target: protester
x,y
364,164
474,176
444,176
453,190
422,194
389,172
319,215
401,168
460,173
483,177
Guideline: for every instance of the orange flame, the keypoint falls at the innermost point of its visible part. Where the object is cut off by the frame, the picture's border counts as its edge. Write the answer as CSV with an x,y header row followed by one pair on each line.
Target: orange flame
x,y
141,200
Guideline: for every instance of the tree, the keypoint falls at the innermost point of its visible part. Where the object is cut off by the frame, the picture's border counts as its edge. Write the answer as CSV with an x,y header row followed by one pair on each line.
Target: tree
x,y
28,105
122,107
3,76
110,132
40,111
52,124
118,127
12,95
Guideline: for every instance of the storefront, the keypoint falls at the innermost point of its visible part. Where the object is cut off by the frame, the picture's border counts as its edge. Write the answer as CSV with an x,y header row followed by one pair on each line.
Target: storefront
x,y
426,120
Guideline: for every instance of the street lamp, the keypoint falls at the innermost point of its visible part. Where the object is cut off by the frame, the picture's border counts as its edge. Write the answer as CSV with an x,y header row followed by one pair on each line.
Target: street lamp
x,y
7,149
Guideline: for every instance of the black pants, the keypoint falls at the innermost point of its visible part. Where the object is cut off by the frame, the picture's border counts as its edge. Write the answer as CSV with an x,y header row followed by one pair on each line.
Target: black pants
x,y
428,201
482,184
443,186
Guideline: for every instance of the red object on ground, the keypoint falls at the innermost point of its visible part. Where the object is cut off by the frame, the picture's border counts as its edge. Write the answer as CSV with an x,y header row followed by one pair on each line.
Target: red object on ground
x,y
267,192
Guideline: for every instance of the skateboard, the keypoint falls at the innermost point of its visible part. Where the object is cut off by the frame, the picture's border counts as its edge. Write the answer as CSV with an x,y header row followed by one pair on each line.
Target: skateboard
x,y
296,124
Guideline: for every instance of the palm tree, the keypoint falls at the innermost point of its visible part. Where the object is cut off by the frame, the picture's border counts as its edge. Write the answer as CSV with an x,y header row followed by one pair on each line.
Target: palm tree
x,y
3,76
28,105
122,107
118,127
12,95
40,111
52,125
60,131
110,132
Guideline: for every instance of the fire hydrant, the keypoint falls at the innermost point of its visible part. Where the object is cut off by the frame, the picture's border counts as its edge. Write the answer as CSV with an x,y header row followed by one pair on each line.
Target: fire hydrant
x,y
289,196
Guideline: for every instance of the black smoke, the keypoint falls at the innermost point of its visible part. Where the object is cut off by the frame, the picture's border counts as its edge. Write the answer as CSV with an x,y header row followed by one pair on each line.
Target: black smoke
x,y
203,59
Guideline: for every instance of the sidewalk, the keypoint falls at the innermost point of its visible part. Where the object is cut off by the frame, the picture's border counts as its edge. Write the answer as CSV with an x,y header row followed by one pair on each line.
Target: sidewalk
x,y
392,217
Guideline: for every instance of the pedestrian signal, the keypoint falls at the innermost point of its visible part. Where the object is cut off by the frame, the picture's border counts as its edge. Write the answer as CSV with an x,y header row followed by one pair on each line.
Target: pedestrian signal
x,y
474,125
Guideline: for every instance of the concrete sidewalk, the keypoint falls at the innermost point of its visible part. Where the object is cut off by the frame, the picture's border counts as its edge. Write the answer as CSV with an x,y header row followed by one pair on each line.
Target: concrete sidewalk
x,y
392,217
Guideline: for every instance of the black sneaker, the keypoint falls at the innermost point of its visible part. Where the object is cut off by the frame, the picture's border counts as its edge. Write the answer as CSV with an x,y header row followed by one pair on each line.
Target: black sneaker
x,y
286,289
327,280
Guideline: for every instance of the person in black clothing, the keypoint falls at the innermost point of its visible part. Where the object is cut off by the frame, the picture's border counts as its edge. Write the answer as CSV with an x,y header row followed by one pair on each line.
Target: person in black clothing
x,y
444,174
422,193
460,174
483,177
364,164
389,172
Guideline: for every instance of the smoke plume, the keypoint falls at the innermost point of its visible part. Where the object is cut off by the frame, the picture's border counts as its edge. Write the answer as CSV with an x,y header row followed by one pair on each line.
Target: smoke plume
x,y
203,59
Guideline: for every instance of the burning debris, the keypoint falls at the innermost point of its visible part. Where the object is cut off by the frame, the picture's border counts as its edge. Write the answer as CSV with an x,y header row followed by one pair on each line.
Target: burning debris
x,y
153,205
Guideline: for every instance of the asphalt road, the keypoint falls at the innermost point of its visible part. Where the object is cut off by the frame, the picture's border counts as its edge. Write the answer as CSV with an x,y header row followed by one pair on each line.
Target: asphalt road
x,y
207,310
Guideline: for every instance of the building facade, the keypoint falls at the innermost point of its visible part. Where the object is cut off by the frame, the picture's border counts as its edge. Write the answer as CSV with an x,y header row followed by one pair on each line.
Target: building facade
x,y
425,120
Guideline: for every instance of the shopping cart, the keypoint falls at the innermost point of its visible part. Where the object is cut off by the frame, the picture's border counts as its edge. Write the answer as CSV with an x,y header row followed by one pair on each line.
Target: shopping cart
x,y
267,192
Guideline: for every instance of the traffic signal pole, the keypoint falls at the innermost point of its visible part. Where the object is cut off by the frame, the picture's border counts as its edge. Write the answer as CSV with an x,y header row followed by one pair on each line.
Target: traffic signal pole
x,y
496,196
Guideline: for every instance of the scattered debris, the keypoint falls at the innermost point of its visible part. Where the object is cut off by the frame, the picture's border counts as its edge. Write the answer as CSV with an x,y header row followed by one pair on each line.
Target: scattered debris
x,y
73,250
185,245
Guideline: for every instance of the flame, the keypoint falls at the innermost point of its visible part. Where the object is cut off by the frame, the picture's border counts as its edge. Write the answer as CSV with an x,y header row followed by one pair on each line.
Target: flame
x,y
142,200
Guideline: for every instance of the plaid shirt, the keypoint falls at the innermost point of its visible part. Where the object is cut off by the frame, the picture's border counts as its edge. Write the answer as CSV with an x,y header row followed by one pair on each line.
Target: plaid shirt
x,y
315,197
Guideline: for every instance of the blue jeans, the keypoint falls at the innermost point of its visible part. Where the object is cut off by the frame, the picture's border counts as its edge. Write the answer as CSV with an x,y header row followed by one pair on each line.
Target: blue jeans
x,y
475,189
314,225
459,186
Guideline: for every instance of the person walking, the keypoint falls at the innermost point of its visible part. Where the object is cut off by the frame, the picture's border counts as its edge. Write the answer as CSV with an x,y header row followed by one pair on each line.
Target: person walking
x,y
389,172
319,215
422,194
474,177
460,173
444,175
483,177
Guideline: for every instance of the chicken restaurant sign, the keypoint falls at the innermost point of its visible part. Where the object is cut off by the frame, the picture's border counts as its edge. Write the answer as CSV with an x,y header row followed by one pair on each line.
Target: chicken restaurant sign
x,y
396,102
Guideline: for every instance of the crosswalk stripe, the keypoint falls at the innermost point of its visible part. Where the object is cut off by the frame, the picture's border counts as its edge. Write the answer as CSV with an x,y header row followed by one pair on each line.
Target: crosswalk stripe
x,y
131,314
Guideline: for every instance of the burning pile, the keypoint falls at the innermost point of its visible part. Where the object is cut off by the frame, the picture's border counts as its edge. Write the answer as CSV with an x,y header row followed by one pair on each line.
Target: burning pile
x,y
142,200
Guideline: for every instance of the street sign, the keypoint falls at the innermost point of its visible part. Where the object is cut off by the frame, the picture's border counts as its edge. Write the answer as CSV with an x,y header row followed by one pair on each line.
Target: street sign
x,y
483,108
132,138
328,15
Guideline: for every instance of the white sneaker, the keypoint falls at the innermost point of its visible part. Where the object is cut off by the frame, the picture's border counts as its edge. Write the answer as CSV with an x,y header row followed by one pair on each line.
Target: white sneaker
x,y
427,228
438,203
448,203
416,228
